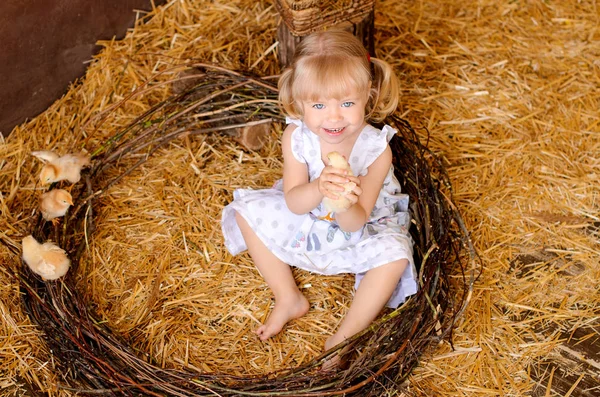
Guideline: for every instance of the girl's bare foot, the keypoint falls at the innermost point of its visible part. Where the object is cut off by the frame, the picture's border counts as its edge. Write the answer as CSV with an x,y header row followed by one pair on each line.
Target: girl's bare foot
x,y
333,340
286,309
333,363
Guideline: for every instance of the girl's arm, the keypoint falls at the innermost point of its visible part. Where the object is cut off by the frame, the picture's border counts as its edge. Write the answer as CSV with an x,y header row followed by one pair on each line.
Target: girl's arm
x,y
302,196
370,185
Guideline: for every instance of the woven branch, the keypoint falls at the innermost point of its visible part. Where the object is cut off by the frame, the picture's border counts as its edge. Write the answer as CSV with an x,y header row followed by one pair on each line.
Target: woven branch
x,y
304,17
95,360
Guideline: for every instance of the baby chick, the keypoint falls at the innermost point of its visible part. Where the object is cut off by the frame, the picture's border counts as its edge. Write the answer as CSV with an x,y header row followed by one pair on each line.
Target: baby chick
x,y
48,260
54,204
67,167
342,203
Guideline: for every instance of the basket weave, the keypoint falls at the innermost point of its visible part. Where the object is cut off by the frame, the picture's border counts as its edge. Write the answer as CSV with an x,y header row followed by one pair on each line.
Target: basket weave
x,y
303,17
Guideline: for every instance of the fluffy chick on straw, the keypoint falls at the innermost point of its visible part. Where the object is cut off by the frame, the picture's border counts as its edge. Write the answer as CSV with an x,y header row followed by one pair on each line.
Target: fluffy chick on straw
x,y
54,204
60,168
48,259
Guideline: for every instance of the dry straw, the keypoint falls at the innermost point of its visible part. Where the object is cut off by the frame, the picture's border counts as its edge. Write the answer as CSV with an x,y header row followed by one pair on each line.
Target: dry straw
x,y
509,91
96,359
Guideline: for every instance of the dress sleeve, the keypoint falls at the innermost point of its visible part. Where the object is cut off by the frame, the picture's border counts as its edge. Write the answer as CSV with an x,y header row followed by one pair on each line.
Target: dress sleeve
x,y
297,140
389,132
376,144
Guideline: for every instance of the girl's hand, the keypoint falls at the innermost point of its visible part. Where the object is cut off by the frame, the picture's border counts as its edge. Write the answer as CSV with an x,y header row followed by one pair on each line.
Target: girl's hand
x,y
331,181
353,195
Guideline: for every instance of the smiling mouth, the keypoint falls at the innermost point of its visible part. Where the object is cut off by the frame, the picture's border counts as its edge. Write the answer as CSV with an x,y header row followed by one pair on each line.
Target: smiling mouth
x,y
334,131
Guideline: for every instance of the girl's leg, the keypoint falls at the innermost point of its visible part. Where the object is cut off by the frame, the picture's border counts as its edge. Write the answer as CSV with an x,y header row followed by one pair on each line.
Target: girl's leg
x,y
290,303
373,292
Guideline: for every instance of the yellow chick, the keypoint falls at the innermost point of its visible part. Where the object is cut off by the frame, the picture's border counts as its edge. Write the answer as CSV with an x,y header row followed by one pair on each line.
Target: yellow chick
x,y
67,167
342,203
54,204
48,260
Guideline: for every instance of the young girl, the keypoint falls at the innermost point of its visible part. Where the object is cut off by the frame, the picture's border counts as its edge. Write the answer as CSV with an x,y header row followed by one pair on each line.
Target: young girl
x,y
330,91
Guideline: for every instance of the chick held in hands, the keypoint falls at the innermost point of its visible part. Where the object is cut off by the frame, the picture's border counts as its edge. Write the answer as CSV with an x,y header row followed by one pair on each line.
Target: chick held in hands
x,y
47,259
55,203
60,168
342,203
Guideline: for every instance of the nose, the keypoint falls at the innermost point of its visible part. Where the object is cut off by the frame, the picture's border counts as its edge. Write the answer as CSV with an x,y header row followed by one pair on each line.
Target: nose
x,y
334,113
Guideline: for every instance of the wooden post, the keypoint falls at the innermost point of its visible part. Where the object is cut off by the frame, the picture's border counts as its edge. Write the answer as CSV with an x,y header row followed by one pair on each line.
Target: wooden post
x,y
287,44
363,28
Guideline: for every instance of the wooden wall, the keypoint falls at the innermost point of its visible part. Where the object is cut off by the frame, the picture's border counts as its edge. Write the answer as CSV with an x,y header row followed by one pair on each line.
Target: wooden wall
x,y
44,46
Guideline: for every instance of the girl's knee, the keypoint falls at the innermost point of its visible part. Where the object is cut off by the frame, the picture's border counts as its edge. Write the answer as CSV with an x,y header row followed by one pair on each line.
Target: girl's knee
x,y
243,225
240,220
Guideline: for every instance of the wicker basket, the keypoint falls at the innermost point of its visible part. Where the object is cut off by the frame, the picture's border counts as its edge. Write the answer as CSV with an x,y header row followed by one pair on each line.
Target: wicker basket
x,y
306,16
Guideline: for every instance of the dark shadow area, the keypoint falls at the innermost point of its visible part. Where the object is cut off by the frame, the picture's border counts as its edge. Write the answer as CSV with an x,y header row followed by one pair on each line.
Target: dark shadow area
x,y
45,44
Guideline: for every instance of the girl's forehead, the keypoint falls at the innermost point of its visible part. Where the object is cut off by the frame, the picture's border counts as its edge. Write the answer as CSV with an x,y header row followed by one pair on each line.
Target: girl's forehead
x,y
323,78
331,90
320,97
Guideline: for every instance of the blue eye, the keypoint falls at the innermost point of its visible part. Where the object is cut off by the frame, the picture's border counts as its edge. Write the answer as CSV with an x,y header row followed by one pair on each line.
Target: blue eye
x,y
318,106
347,104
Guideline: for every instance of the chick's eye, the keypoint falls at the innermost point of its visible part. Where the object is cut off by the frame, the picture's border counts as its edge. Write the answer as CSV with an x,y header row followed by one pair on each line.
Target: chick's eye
x,y
318,106
347,104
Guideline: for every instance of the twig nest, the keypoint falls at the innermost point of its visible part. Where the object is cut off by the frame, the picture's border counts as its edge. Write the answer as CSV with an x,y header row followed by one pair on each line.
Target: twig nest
x,y
252,136
95,359
186,80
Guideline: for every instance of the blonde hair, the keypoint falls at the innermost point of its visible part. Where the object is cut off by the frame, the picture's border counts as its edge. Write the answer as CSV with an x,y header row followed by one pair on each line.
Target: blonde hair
x,y
330,64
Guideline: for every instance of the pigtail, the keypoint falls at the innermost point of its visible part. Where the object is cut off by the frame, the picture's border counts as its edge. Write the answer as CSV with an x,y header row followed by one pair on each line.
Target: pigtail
x,y
286,98
385,90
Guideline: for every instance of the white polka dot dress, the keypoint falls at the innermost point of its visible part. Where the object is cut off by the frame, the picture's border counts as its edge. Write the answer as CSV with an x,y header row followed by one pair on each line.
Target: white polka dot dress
x,y
319,245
